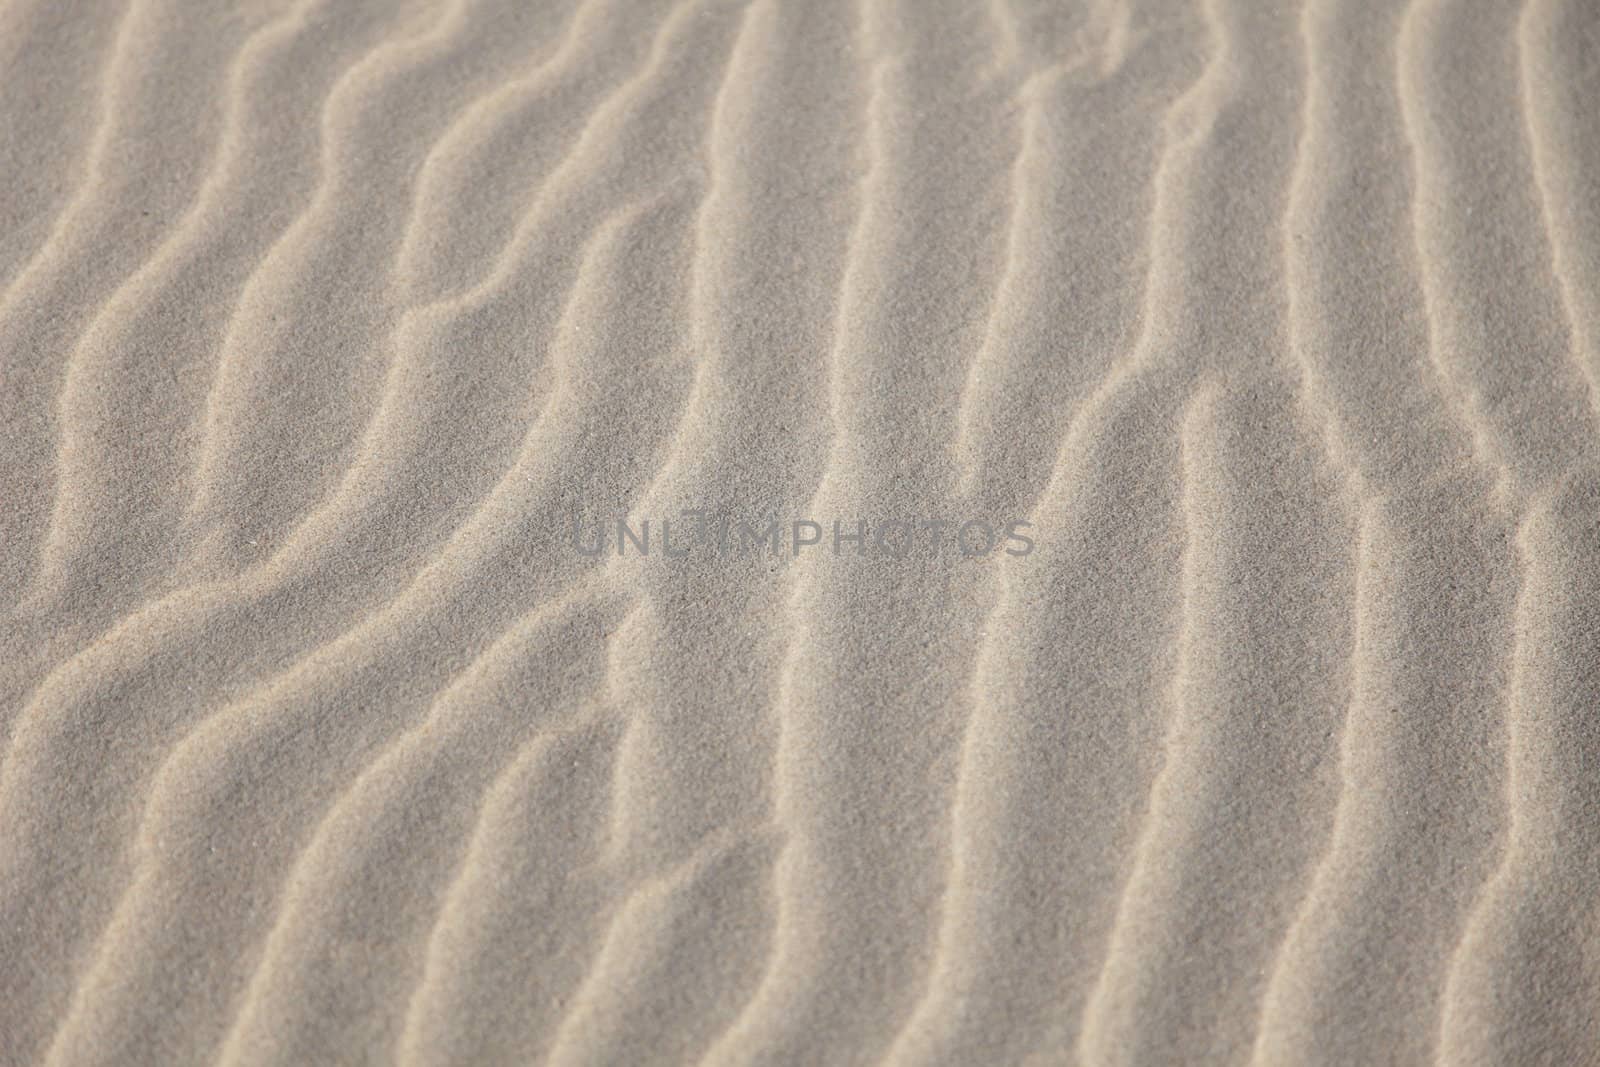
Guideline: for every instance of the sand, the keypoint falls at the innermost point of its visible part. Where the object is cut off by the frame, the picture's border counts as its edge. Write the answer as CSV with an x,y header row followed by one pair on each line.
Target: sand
x,y
340,722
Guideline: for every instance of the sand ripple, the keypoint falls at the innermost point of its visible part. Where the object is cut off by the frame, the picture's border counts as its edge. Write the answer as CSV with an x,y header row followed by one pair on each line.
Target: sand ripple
x,y
1279,322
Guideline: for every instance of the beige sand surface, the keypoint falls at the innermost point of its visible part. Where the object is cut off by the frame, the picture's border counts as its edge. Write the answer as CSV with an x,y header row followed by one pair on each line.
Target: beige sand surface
x,y
323,742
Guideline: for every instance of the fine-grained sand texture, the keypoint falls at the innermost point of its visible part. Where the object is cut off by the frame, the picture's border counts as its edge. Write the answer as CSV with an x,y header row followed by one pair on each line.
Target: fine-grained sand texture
x,y
335,334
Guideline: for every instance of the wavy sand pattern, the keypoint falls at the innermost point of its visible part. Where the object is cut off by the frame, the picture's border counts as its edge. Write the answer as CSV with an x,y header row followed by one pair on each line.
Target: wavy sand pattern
x,y
323,742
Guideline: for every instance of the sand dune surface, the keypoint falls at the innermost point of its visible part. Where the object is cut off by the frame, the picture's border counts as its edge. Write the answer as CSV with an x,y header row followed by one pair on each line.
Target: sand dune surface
x,y
800,532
